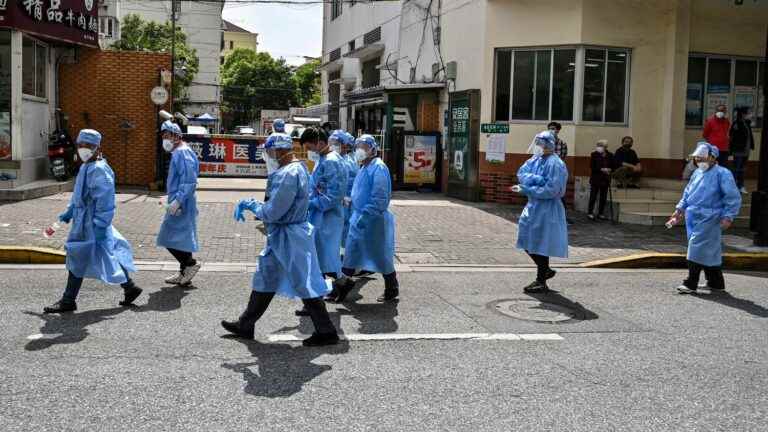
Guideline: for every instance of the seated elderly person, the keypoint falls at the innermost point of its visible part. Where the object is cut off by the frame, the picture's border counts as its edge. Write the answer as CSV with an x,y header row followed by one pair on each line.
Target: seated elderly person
x,y
627,167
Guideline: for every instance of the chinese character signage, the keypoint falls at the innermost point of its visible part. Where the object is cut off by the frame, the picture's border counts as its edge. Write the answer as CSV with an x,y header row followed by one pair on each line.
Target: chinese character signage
x,y
459,136
420,163
73,21
228,156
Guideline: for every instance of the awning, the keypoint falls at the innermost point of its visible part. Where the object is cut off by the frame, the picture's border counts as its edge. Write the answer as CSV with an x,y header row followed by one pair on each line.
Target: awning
x,y
366,52
205,118
331,66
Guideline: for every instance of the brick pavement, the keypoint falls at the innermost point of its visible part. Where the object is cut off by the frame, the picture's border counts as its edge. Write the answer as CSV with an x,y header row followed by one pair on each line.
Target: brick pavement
x,y
430,229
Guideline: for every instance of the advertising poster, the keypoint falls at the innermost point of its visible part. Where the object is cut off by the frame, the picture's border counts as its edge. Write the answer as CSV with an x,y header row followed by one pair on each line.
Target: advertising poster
x,y
693,100
459,134
228,156
420,162
744,97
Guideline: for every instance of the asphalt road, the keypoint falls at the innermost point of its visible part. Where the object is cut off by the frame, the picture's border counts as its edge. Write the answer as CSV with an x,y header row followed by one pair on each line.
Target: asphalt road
x,y
629,355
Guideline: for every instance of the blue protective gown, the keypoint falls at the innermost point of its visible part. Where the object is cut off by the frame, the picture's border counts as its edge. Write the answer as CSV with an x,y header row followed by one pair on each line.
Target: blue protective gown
x,y
371,241
710,197
180,232
328,186
542,229
352,168
93,205
288,264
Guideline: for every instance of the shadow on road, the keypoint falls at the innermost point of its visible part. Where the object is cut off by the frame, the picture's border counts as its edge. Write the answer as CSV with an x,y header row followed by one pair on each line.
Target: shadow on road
x,y
70,327
554,297
281,370
726,299
167,299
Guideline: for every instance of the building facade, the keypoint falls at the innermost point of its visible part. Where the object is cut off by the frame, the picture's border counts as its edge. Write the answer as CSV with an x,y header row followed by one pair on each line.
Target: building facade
x,y
651,69
201,22
34,39
234,37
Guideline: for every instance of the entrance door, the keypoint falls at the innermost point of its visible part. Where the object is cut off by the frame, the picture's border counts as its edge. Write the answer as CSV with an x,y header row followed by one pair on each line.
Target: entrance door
x,y
463,145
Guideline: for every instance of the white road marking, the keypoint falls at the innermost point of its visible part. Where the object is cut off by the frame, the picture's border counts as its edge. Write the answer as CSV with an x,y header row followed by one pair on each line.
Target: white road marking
x,y
430,336
39,336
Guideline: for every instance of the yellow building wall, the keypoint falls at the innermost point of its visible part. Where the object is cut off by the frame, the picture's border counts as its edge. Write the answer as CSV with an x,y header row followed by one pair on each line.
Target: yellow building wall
x,y
239,40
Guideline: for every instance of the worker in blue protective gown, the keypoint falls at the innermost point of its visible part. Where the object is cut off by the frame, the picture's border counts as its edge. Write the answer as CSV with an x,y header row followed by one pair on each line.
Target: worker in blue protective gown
x,y
95,249
542,228
178,233
328,186
347,152
288,263
370,244
278,126
710,203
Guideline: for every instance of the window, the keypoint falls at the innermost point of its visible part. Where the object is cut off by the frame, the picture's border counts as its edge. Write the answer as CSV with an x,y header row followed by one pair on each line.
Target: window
x,y
534,84
107,27
335,9
605,85
34,68
371,74
718,80
334,55
351,46
231,45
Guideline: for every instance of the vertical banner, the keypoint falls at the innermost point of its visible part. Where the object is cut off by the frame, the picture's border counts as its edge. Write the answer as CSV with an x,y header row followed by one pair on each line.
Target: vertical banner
x,y
420,161
459,135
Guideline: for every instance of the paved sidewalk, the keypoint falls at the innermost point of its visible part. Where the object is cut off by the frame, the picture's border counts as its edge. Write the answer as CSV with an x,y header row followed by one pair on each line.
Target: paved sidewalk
x,y
431,229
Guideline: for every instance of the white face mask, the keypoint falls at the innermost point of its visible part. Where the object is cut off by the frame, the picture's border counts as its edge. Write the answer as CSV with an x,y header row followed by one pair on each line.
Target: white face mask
x,y
85,154
720,114
335,148
167,145
272,164
313,156
538,150
360,155
704,166
600,149
554,132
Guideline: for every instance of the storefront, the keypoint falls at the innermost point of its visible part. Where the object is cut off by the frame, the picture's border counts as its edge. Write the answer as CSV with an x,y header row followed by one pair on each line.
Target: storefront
x,y
35,37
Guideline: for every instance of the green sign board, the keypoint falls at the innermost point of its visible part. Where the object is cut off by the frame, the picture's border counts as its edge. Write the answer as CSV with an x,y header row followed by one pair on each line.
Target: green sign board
x,y
459,140
494,128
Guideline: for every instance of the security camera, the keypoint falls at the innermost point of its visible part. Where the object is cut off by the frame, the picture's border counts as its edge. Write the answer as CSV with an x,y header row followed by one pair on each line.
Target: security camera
x,y
165,115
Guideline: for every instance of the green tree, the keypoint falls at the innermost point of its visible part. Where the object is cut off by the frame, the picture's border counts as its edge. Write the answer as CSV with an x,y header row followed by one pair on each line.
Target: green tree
x,y
254,81
307,81
139,35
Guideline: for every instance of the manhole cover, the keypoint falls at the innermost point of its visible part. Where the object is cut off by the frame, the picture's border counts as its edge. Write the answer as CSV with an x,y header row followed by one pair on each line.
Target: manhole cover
x,y
534,310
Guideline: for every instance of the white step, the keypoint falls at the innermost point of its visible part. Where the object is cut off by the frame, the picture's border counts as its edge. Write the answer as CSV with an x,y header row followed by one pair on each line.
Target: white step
x,y
661,218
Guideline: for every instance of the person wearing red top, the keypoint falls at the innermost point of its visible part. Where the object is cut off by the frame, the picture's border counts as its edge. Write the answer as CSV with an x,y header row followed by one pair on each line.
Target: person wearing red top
x,y
716,132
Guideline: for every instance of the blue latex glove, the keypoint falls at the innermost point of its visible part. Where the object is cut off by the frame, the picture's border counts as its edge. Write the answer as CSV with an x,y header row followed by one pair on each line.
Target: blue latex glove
x,y
100,233
242,206
66,217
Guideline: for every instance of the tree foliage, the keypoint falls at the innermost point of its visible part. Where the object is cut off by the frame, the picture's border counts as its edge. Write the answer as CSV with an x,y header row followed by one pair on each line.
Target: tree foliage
x,y
307,82
139,35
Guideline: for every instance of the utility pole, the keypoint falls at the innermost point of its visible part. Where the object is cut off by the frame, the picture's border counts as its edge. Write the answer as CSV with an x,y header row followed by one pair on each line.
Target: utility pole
x,y
759,214
173,48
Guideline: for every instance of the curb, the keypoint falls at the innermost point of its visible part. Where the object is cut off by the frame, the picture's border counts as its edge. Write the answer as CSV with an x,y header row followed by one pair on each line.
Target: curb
x,y
731,261
31,255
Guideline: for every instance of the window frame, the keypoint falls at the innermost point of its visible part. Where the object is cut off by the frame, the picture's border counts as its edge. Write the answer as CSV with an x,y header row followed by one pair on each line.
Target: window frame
x,y
732,84
35,97
578,84
336,9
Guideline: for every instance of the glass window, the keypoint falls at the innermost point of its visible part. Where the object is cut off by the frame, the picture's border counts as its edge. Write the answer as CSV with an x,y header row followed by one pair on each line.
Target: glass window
x,y
694,96
41,72
543,75
335,9
522,87
564,73
594,85
759,115
616,87
371,73
28,66
503,71
5,95
746,73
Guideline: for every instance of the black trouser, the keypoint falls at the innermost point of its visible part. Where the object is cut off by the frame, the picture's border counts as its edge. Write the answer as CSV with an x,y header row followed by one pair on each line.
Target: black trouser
x,y
714,276
74,284
390,280
594,191
259,302
184,258
722,160
542,266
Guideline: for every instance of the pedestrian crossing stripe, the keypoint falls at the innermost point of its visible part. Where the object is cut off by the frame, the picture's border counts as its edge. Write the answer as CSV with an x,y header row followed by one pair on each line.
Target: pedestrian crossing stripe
x,y
430,336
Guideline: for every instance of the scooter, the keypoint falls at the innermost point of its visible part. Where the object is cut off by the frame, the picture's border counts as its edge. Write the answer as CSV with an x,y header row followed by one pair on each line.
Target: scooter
x,y
61,152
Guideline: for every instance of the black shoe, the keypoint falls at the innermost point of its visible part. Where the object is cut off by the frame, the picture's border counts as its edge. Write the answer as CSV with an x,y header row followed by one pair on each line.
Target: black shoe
x,y
550,274
363,273
234,328
61,306
390,294
321,339
569,221
536,287
342,287
131,294
301,312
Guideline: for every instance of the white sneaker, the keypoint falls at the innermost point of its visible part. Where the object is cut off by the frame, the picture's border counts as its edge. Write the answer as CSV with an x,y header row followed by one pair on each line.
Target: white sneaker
x,y
189,273
744,190
175,279
682,289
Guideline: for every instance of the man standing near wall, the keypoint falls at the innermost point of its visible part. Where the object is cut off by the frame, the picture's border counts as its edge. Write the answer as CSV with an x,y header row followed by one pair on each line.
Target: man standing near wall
x,y
716,131
561,150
